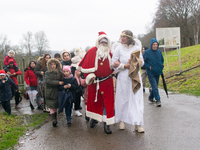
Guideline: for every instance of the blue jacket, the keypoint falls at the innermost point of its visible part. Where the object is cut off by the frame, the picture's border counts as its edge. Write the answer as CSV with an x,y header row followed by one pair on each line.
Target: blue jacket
x,y
153,59
5,89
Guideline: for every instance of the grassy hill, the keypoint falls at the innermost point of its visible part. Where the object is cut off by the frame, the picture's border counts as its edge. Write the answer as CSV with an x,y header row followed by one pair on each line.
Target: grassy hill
x,y
187,82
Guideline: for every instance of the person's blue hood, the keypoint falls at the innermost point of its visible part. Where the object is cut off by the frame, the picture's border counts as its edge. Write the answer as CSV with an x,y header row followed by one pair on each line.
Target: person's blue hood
x,y
153,40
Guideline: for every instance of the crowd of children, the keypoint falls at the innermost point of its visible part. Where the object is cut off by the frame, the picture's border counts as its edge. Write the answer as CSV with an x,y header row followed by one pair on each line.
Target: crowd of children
x,y
48,76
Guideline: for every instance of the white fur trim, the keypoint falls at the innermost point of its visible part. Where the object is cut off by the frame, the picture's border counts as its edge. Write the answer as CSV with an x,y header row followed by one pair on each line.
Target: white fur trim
x,y
104,118
94,116
122,67
2,74
78,68
95,65
89,77
86,70
100,37
110,121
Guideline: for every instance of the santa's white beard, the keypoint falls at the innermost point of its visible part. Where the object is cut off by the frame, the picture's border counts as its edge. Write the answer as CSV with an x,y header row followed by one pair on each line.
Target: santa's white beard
x,y
103,51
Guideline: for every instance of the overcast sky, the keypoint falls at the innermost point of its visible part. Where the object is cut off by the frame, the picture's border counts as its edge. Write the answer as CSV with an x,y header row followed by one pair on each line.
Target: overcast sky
x,y
74,23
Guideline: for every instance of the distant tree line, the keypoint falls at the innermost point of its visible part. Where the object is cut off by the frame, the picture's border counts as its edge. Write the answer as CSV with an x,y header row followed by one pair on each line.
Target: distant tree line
x,y
29,43
176,13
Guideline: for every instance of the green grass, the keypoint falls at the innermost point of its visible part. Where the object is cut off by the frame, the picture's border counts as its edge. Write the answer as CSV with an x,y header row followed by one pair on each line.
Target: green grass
x,y
12,127
188,82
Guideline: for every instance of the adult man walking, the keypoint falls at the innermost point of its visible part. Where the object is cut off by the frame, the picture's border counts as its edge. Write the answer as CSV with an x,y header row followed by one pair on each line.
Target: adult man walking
x,y
96,66
153,59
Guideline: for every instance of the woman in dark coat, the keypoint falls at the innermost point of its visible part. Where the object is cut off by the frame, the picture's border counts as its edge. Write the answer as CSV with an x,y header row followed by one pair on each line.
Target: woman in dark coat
x,y
52,82
39,70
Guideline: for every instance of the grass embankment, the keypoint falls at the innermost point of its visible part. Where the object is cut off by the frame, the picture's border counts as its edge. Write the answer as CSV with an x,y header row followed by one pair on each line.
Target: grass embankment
x,y
188,82
13,127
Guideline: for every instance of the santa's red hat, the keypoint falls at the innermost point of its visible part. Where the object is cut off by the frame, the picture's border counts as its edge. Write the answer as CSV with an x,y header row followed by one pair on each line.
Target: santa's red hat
x,y
101,32
2,72
101,36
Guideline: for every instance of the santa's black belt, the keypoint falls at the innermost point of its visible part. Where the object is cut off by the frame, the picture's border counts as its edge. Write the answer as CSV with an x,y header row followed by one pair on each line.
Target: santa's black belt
x,y
104,78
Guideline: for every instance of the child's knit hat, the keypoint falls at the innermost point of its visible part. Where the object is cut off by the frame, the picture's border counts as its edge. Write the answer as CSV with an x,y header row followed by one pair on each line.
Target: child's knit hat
x,y
2,72
11,51
65,67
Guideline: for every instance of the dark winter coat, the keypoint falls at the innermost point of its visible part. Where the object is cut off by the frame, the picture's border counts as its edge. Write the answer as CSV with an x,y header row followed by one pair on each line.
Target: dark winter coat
x,y
153,59
38,70
74,85
51,83
67,63
5,89
30,77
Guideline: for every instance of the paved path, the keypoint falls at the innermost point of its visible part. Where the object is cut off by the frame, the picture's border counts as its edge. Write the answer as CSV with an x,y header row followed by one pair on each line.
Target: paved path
x,y
173,126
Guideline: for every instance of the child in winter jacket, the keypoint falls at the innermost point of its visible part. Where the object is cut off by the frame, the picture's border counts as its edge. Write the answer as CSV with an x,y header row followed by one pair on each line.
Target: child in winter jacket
x,y
5,91
11,71
10,55
70,85
52,82
31,81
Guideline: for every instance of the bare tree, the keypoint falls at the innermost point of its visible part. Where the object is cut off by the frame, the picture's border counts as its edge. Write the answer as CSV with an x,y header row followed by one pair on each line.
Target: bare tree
x,y
4,44
42,43
175,13
28,42
17,49
195,4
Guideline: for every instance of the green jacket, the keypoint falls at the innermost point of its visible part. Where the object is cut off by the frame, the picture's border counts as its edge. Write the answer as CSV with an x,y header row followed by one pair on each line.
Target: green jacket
x,y
51,84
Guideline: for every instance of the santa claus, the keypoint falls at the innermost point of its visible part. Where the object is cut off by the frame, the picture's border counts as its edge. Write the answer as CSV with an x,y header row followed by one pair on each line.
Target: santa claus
x,y
96,66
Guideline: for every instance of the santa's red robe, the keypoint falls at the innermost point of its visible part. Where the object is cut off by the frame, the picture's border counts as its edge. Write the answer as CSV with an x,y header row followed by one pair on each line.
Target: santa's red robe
x,y
91,66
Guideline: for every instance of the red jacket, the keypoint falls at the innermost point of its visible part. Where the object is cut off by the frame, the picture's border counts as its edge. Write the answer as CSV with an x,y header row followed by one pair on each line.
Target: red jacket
x,y
12,70
30,77
7,58
14,78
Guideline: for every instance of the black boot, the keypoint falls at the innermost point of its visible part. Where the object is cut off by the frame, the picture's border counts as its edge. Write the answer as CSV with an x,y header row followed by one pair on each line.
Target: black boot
x,y
54,118
87,118
93,123
107,129
32,107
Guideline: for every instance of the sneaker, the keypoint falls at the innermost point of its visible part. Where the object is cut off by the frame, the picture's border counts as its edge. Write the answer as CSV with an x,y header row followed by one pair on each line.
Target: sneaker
x,y
152,100
77,113
139,129
121,125
158,104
